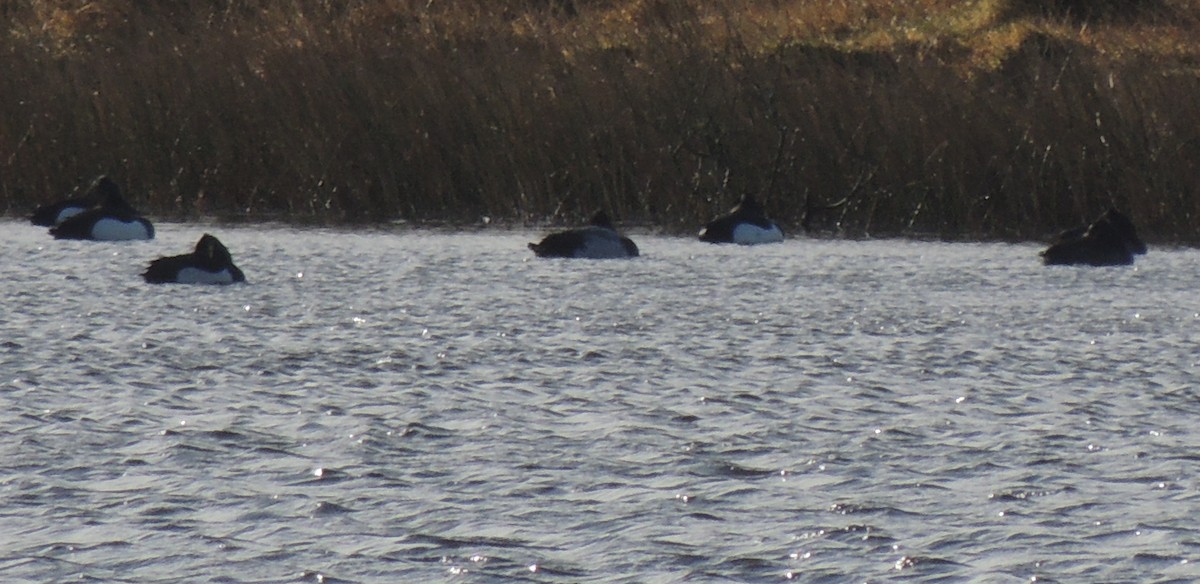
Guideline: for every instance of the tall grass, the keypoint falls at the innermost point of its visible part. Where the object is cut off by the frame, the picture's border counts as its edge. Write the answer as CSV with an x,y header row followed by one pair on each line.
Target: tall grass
x,y
996,119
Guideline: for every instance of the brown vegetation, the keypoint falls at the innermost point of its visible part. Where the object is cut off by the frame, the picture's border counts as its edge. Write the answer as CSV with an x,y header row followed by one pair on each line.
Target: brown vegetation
x,y
997,119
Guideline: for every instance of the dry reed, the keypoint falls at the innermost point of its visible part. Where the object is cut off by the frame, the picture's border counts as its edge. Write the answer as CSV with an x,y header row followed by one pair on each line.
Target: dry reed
x,y
934,118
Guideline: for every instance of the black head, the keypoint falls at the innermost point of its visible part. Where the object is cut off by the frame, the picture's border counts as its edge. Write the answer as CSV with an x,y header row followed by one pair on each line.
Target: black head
x,y
748,205
1122,226
104,191
211,252
600,219
108,197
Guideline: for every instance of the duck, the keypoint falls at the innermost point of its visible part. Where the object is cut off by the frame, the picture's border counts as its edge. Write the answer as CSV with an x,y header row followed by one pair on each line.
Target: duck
x,y
209,263
1110,240
111,219
55,213
598,240
745,224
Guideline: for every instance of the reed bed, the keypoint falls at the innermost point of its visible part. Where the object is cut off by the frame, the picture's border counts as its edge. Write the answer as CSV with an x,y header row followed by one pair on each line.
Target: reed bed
x,y
987,119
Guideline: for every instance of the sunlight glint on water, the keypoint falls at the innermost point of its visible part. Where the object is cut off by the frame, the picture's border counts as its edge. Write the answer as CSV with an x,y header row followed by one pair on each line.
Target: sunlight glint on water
x,y
428,406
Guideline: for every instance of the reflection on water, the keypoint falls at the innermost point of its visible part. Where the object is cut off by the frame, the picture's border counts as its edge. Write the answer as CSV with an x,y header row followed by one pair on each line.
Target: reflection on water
x,y
426,406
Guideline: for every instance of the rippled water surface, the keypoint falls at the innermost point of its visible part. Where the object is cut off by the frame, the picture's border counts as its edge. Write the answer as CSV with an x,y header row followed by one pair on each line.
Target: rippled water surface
x,y
428,406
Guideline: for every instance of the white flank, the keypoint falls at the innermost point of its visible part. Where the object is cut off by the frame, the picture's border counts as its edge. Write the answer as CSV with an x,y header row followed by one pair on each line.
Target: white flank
x,y
116,230
748,234
198,276
599,244
67,213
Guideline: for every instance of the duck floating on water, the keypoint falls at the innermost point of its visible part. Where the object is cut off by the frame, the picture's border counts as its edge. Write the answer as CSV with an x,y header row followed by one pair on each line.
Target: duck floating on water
x,y
210,263
745,224
111,219
1111,240
598,240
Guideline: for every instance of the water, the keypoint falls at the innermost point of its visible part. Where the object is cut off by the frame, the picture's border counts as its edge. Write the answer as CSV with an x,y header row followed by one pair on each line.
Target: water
x,y
429,406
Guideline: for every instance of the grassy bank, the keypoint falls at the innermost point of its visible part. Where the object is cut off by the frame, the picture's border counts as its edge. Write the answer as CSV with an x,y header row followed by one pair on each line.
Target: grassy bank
x,y
994,119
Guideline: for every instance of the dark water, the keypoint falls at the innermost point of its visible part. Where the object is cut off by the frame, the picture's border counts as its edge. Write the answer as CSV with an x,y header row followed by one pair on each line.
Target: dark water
x,y
422,406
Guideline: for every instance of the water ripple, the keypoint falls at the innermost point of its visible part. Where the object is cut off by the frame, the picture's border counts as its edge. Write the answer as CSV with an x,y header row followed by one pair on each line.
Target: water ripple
x,y
425,406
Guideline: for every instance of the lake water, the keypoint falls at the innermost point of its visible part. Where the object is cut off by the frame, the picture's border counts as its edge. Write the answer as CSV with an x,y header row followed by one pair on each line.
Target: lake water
x,y
418,406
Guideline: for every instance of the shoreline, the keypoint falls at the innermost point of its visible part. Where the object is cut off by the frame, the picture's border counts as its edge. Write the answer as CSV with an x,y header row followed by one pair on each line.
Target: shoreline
x,y
537,229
